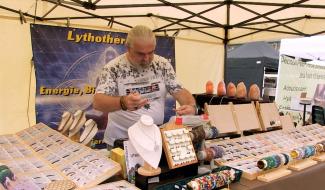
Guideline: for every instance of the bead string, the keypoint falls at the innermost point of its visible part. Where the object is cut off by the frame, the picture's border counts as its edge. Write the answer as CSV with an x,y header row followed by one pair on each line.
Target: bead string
x,y
213,180
211,153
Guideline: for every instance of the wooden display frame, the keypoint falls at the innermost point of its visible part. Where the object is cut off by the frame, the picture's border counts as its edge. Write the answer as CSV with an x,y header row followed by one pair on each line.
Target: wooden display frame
x,y
222,117
286,122
166,146
319,157
302,164
274,174
268,113
246,117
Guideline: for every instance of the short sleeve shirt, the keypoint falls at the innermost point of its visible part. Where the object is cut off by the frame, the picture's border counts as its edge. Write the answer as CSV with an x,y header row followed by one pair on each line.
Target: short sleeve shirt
x,y
119,78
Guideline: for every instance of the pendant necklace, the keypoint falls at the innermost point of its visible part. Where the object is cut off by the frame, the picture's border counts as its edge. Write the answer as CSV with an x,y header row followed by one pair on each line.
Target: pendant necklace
x,y
156,147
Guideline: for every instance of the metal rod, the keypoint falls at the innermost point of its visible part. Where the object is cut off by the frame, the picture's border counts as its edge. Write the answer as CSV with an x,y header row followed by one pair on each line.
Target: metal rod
x,y
16,11
264,22
268,30
67,2
156,5
316,17
281,4
91,17
186,28
270,12
48,12
317,33
191,28
78,1
265,28
226,40
35,12
181,20
258,14
190,12
91,14
190,21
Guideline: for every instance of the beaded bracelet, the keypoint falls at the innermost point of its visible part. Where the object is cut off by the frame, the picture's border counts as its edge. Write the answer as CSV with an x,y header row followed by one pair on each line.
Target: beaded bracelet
x,y
294,154
273,161
319,147
122,103
286,156
262,164
277,160
282,158
212,181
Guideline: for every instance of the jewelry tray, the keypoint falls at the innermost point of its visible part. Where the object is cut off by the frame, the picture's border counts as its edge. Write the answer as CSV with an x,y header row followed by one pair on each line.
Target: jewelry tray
x,y
39,155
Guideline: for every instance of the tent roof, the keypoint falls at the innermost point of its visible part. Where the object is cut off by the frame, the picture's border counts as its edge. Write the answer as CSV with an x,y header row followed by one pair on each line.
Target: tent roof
x,y
231,21
254,50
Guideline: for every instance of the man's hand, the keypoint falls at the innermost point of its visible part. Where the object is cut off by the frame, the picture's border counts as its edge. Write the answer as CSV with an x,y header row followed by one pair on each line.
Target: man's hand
x,y
186,110
134,101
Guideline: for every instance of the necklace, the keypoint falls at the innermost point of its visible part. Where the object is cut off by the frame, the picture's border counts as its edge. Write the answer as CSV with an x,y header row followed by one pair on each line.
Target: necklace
x,y
156,146
87,133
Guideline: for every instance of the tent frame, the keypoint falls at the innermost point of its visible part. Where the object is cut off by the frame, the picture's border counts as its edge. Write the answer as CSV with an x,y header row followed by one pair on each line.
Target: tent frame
x,y
82,6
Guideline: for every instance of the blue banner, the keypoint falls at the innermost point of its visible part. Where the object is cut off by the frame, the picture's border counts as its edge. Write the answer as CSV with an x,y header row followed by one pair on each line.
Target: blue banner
x,y
67,64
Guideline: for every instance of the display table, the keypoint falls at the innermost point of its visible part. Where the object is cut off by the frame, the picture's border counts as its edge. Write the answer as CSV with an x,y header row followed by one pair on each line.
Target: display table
x,y
311,178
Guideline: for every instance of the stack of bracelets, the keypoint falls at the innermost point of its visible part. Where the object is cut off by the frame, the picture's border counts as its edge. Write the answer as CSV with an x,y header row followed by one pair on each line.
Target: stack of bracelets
x,y
303,152
211,153
212,181
320,146
274,161
203,132
210,132
277,160
197,134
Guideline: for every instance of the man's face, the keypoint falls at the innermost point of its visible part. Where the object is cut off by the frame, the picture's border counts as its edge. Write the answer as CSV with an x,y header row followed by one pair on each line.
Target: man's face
x,y
141,53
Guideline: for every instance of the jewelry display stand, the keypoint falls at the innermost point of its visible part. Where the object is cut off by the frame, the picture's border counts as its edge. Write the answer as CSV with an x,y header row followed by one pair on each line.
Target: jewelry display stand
x,y
66,122
269,115
319,157
147,170
89,132
177,146
146,139
246,117
222,117
302,164
39,155
79,120
286,122
274,174
244,152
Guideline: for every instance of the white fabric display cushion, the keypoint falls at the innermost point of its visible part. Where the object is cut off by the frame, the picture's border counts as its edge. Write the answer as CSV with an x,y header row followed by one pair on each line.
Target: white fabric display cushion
x,y
89,132
65,122
79,120
146,138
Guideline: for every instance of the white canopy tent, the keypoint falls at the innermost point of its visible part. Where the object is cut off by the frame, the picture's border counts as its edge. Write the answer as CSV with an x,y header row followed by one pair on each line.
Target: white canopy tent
x,y
217,21
202,29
